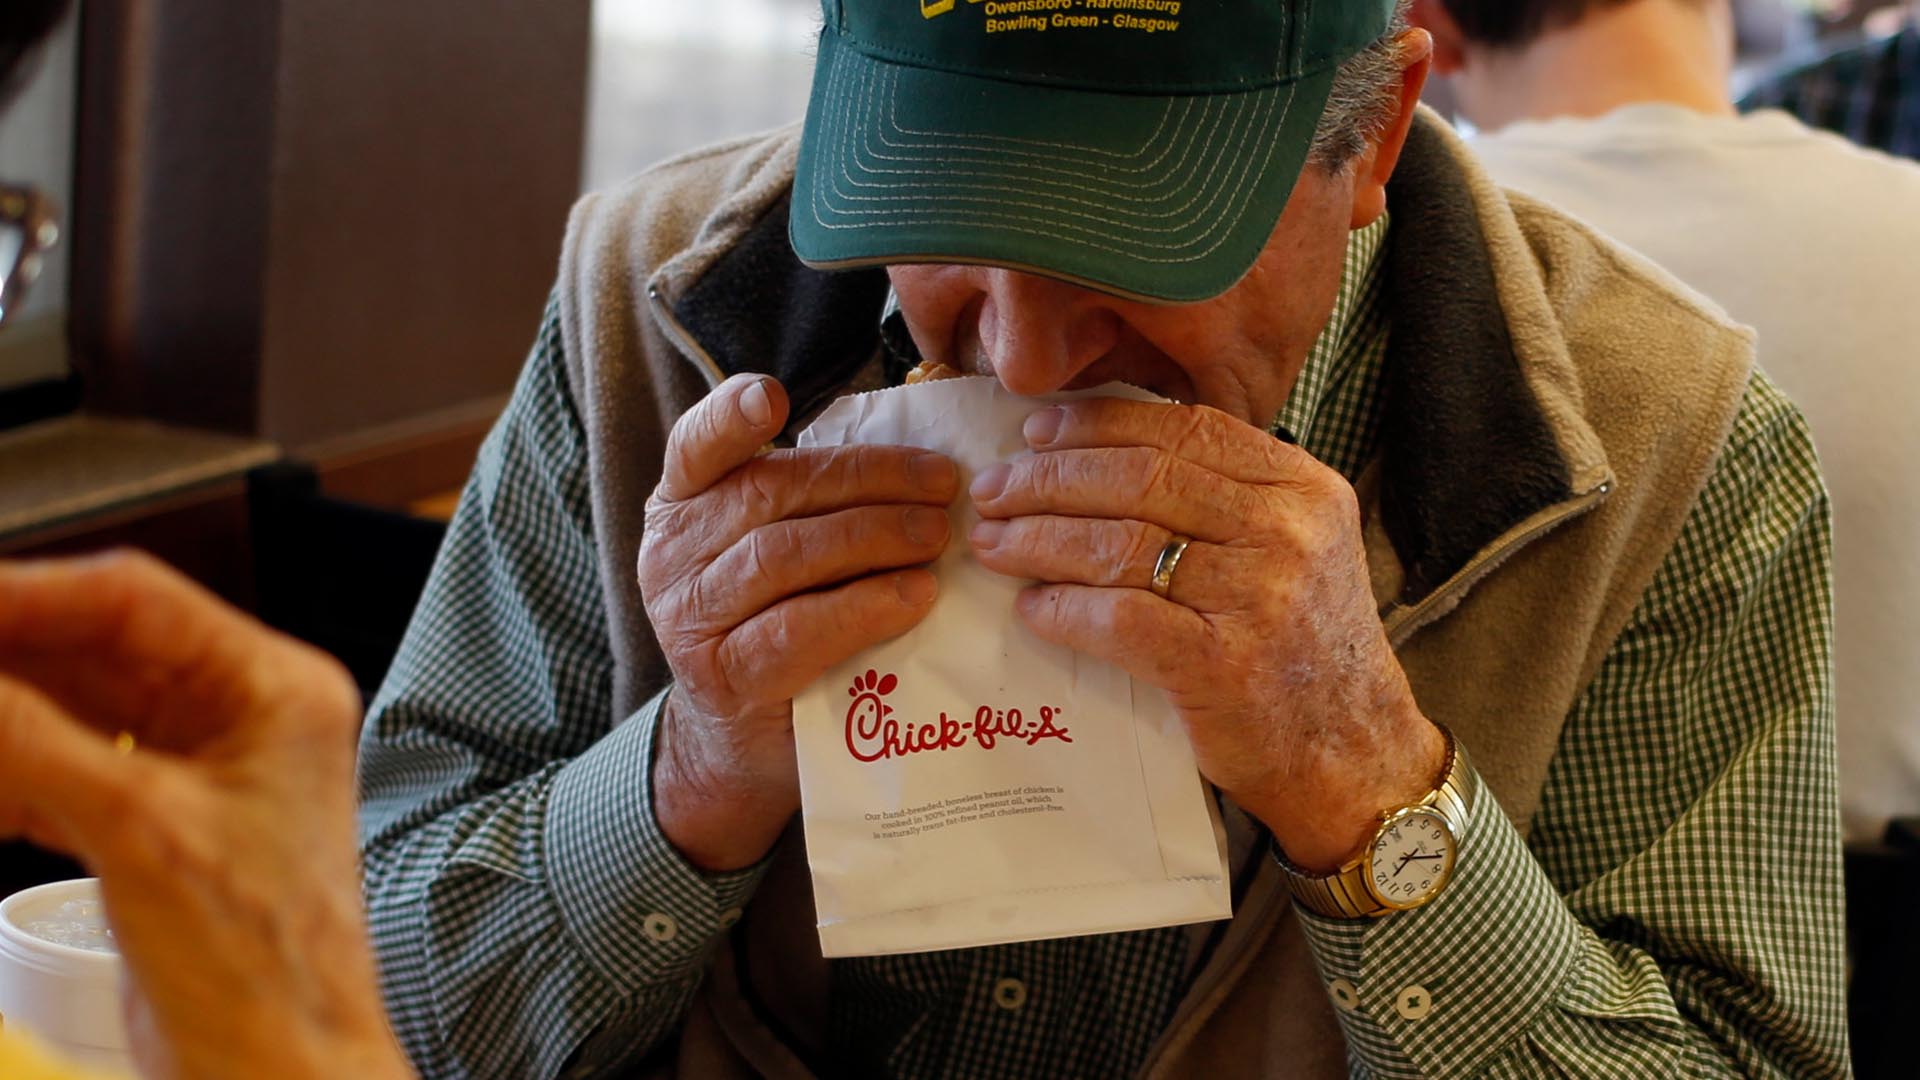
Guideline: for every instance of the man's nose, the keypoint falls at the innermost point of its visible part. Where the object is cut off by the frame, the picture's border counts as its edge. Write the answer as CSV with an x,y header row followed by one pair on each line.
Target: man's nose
x,y
1039,333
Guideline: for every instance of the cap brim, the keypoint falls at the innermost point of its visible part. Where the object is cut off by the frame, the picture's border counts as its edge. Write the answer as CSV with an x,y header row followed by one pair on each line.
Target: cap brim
x,y
1159,198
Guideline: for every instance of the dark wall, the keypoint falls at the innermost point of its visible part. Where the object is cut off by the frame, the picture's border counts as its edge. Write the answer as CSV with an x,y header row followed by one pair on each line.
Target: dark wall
x,y
304,218
169,222
426,155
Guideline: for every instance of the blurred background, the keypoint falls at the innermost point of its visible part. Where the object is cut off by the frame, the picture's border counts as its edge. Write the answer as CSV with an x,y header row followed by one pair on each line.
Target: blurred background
x,y
669,77
319,236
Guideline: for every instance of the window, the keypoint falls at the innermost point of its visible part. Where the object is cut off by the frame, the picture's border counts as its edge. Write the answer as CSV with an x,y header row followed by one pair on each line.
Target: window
x,y
36,149
671,77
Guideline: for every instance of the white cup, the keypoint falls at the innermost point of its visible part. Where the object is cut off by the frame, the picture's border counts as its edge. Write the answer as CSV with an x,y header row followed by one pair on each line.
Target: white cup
x,y
67,997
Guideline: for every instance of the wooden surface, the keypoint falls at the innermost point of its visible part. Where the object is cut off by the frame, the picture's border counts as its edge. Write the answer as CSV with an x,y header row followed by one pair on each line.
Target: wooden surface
x,y
67,470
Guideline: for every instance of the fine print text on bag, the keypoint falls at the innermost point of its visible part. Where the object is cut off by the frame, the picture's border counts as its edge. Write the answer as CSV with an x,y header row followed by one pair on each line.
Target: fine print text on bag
x,y
969,784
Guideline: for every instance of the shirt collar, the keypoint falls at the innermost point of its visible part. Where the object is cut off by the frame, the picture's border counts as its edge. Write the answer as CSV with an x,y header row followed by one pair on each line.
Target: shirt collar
x,y
1356,320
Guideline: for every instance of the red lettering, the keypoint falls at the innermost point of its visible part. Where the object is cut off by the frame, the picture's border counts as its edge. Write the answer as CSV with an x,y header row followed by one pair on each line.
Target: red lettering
x,y
1046,730
985,727
874,735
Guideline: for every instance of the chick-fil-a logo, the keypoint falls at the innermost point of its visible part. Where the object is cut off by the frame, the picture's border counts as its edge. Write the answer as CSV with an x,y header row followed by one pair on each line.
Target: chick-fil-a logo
x,y
874,735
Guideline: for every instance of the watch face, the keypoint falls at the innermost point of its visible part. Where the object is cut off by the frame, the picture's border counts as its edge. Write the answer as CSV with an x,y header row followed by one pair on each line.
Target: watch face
x,y
1411,858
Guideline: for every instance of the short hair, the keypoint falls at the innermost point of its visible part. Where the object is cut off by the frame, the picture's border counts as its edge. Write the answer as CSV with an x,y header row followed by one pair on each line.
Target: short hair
x,y
1364,101
1512,24
23,23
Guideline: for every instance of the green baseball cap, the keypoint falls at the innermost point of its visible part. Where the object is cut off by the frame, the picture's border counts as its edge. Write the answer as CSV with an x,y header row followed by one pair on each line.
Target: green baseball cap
x,y
1141,147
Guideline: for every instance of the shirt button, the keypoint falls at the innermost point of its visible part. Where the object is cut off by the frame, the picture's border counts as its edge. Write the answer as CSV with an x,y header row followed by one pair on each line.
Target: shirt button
x,y
729,917
1346,996
1010,994
661,928
1413,1003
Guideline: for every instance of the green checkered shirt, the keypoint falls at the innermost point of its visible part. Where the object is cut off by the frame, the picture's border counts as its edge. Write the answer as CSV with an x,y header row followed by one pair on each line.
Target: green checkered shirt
x,y
1675,911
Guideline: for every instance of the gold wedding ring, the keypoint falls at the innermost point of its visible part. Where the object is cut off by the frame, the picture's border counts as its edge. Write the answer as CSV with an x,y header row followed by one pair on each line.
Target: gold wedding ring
x,y
124,743
1168,562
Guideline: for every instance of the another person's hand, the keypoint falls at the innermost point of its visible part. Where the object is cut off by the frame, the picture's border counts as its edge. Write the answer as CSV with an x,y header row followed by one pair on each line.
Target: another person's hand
x,y
1268,644
223,835
760,572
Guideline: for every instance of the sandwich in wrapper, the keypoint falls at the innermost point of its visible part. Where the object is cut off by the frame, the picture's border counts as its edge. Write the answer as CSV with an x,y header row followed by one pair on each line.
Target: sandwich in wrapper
x,y
930,371
969,784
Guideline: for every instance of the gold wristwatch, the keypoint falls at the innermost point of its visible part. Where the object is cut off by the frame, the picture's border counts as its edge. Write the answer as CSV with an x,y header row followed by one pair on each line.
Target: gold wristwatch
x,y
1408,861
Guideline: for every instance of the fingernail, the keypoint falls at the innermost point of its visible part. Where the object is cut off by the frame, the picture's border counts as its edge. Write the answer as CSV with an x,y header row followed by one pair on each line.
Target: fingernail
x,y
914,589
987,534
990,483
926,526
755,407
1044,426
933,472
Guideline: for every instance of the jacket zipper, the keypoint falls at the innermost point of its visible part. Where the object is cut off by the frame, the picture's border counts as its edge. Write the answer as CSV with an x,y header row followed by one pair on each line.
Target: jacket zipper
x,y
670,326
1409,620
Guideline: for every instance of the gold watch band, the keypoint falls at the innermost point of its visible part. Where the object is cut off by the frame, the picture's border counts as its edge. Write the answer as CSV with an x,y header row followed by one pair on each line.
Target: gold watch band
x,y
1345,893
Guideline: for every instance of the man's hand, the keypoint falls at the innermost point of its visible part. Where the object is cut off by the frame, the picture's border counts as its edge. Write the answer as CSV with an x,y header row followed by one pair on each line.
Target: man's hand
x,y
760,572
224,839
1268,644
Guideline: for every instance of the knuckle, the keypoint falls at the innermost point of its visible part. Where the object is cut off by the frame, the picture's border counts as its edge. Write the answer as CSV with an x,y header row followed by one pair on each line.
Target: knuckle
x,y
1253,507
726,677
766,642
851,618
1153,469
1137,551
1056,474
691,657
870,468
702,671
771,551
1295,467
1043,536
1041,474
697,605
760,492
1191,429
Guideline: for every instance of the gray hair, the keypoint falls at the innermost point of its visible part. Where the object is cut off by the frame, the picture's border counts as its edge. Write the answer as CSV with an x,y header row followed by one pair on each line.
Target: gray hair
x,y
1365,99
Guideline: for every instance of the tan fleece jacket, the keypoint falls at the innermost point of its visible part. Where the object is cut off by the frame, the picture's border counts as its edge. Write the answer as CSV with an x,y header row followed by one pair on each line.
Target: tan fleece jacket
x,y
1540,451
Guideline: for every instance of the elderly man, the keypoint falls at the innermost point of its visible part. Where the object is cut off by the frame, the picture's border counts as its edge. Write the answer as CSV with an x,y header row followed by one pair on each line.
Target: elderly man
x,y
1540,507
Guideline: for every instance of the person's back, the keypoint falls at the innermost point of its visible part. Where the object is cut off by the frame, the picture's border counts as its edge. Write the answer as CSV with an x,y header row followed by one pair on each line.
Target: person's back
x,y
1796,232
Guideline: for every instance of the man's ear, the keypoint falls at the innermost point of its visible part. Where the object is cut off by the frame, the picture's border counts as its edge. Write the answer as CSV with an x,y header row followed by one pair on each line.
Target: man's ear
x,y
1449,44
1375,166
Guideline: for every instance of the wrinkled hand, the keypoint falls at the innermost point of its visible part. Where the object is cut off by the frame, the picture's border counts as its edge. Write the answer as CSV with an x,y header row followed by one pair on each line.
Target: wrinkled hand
x,y
1268,644
759,572
224,842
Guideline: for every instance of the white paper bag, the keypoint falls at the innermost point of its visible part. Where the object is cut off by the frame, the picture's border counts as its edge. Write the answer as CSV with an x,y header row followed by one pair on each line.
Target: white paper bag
x,y
969,784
